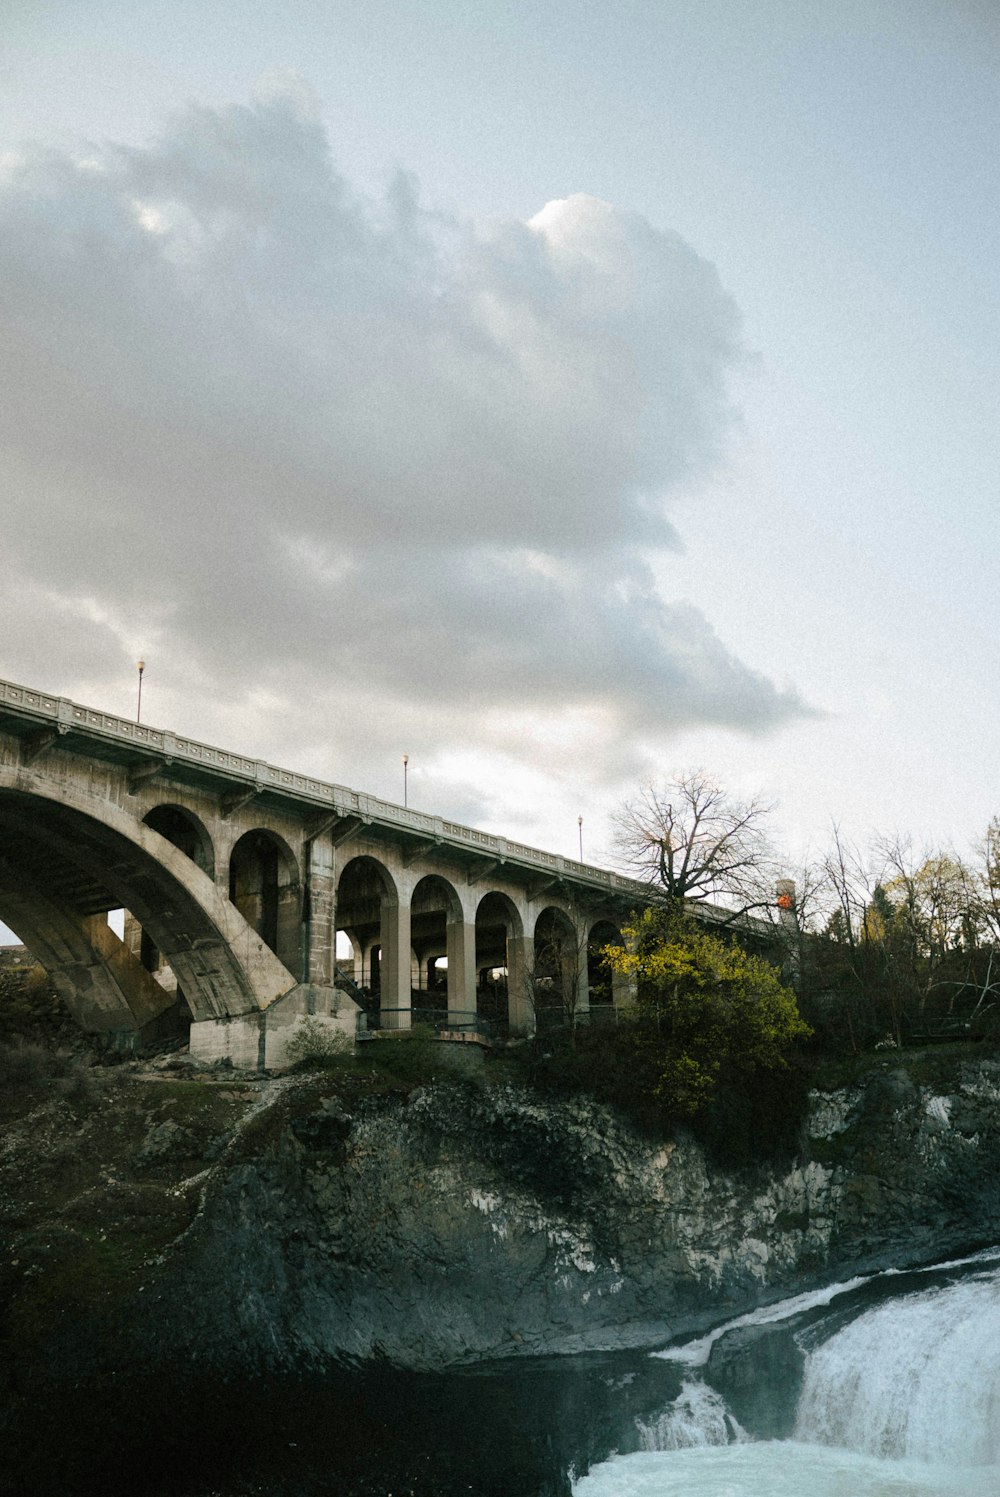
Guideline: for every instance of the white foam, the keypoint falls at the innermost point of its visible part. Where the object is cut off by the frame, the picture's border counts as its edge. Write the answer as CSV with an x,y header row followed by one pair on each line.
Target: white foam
x,y
696,1353
697,1416
778,1469
916,1377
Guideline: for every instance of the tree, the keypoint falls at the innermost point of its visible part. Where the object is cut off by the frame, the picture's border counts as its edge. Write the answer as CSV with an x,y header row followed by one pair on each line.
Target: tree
x,y
696,842
705,1009
903,944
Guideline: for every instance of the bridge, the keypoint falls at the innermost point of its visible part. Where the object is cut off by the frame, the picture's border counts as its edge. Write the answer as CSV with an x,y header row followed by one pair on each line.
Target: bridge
x,y
241,881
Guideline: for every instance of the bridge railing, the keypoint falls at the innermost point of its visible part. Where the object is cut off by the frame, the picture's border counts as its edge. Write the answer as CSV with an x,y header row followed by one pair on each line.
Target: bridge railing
x,y
71,718
444,1023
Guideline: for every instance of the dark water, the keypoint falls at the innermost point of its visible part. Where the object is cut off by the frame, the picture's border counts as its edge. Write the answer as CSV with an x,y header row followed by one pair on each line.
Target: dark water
x,y
514,1430
530,1428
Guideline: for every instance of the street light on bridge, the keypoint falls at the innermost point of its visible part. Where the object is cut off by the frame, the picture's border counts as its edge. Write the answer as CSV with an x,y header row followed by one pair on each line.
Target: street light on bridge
x,y
579,827
138,706
406,760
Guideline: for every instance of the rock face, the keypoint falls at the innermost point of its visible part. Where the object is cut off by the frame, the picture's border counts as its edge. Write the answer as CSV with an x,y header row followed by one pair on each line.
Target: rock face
x,y
460,1223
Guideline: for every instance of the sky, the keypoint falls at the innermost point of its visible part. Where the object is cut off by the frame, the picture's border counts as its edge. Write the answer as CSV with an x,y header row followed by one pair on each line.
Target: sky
x,y
566,396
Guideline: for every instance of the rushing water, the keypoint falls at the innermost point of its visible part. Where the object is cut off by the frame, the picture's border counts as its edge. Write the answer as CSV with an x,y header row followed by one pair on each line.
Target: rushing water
x,y
887,1386
901,1401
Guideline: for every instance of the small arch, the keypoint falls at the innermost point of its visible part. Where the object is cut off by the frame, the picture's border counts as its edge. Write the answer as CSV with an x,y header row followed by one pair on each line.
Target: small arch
x,y
264,886
363,887
556,976
187,833
183,830
498,922
434,905
601,981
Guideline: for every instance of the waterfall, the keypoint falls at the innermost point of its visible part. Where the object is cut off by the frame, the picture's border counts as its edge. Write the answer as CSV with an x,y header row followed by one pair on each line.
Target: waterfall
x,y
697,1416
917,1377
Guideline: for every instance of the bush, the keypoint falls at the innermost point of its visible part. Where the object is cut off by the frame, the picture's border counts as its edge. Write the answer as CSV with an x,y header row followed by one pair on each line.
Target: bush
x,y
24,1064
314,1047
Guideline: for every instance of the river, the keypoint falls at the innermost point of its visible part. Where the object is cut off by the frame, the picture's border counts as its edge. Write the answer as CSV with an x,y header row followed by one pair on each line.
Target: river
x,y
899,1400
894,1391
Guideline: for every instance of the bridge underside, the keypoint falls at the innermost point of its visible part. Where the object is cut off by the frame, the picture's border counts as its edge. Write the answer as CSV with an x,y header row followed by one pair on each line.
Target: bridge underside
x,y
61,871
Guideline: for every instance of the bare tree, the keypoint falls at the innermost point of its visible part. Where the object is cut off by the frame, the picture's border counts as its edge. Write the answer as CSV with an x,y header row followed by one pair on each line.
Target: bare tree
x,y
552,982
695,841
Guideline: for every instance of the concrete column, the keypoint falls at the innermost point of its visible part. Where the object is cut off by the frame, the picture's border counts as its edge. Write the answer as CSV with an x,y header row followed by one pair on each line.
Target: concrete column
x,y
396,960
520,964
625,985
321,935
461,967
624,989
582,976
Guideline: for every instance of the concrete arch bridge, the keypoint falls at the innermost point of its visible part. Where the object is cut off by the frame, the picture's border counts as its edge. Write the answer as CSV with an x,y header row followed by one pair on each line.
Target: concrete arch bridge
x,y
241,879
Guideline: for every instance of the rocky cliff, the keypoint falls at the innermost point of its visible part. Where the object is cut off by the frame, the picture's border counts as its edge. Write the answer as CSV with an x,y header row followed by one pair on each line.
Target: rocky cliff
x,y
215,1285
460,1222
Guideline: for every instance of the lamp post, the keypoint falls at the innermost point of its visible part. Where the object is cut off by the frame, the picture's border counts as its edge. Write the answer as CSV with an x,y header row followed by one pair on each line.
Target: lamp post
x,y
579,827
138,706
406,761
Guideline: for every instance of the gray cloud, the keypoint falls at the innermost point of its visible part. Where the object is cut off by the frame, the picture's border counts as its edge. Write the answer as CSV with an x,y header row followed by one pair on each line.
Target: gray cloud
x,y
356,446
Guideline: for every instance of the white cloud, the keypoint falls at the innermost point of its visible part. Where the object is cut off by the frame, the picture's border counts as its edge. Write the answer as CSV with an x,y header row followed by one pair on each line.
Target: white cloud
x,y
355,451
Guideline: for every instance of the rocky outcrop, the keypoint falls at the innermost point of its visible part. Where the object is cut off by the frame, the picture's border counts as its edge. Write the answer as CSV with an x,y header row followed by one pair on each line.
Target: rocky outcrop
x,y
460,1223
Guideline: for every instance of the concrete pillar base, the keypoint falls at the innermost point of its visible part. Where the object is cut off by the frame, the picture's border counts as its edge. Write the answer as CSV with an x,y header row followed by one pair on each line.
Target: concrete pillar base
x,y
265,1041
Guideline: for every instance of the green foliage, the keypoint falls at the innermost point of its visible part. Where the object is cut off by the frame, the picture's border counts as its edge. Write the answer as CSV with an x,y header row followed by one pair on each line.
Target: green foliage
x,y
705,1010
706,1043
316,1047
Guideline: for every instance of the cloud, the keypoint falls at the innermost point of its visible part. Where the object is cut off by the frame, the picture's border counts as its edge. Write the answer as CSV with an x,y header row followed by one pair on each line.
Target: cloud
x,y
354,449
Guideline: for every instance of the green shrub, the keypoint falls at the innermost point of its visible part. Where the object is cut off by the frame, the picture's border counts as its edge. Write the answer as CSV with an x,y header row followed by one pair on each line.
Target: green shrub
x,y
24,1064
315,1047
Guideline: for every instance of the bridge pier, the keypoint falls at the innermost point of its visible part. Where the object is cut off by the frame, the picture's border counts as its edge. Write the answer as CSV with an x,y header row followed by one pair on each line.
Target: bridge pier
x,y
261,1041
520,964
319,914
395,978
461,951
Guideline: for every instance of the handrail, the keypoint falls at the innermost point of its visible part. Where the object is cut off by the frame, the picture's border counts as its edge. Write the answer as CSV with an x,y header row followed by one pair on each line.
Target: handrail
x,y
69,716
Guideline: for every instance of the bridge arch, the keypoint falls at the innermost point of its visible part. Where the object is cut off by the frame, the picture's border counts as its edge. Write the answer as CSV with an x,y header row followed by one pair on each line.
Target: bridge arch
x,y
186,831
264,885
605,987
93,857
499,929
556,978
435,908
365,889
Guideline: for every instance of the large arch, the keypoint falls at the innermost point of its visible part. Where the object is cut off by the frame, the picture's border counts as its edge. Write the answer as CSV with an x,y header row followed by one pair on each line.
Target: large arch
x,y
96,857
499,943
557,969
265,887
100,980
375,917
435,910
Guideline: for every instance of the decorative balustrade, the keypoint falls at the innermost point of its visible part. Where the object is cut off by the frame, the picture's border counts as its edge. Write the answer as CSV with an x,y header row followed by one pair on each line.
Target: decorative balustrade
x,y
69,717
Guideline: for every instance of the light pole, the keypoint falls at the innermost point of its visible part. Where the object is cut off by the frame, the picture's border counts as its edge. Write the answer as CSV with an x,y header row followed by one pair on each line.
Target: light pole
x,y
406,760
579,827
138,706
